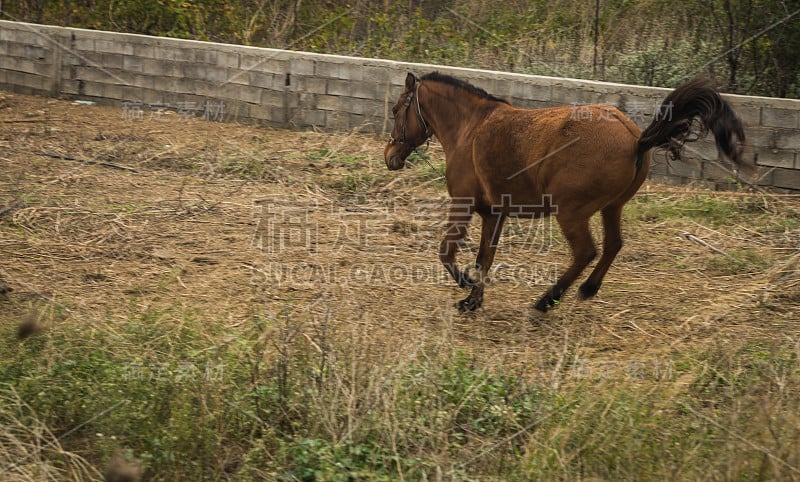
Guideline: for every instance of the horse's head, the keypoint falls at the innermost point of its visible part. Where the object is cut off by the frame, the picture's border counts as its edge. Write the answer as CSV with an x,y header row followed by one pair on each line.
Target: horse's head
x,y
410,129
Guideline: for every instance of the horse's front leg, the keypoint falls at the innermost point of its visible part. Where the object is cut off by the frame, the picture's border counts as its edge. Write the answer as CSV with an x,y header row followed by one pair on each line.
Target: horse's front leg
x,y
491,228
458,218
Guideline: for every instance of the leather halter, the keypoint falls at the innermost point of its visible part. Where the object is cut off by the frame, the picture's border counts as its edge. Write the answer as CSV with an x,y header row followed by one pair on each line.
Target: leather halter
x,y
413,96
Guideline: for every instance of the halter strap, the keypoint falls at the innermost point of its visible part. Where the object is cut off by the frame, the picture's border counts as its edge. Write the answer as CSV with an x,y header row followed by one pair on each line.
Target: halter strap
x,y
415,98
428,133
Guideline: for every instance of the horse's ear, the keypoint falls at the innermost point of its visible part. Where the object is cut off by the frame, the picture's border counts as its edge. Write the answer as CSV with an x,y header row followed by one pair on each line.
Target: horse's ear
x,y
411,80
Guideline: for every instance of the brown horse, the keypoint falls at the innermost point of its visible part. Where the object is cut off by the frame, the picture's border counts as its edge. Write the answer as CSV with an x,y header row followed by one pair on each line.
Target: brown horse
x,y
509,161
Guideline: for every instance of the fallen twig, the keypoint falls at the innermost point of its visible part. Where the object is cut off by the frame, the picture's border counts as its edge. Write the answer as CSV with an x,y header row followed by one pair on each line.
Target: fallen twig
x,y
692,237
87,161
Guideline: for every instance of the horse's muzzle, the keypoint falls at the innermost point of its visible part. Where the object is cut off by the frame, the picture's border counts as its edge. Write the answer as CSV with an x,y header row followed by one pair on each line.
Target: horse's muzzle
x,y
394,156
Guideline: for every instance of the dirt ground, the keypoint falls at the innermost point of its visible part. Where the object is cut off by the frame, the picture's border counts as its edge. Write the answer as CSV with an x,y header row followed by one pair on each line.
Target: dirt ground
x,y
106,215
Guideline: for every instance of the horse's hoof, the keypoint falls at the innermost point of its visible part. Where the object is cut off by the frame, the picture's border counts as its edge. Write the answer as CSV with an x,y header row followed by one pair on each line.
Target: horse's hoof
x,y
545,303
468,304
587,290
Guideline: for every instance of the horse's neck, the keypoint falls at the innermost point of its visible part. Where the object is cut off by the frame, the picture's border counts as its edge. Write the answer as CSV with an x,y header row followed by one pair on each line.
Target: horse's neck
x,y
452,117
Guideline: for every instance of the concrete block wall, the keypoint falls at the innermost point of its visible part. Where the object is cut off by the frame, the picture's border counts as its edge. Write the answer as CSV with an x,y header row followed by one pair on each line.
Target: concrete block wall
x,y
302,90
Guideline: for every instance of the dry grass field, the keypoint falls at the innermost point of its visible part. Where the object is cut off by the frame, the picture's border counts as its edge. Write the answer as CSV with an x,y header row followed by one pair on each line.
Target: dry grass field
x,y
216,301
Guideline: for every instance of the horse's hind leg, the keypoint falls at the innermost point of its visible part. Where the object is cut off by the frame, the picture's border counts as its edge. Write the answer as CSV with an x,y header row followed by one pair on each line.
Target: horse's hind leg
x,y
612,243
457,220
579,237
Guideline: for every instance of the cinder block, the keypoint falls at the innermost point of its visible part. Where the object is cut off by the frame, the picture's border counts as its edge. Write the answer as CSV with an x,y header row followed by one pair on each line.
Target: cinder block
x,y
19,64
113,92
227,92
788,139
146,50
363,124
176,54
141,81
73,58
328,69
787,178
658,168
717,172
205,55
109,61
273,98
263,80
612,99
337,121
24,35
272,65
220,74
776,158
44,69
132,64
133,94
152,96
306,117
784,118
94,89
304,100
302,66
314,85
705,149
251,62
178,85
231,76
687,168
21,89
501,88
328,102
762,176
113,47
397,75
664,179
365,107
100,74
204,88
70,87
83,43
259,112
375,73
163,68
25,79
766,137
361,90
483,83
568,95
750,115
249,94
34,52
7,33
351,71
277,116
228,60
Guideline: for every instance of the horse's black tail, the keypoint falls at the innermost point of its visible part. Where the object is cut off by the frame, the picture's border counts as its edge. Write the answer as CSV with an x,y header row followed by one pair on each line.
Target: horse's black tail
x,y
672,127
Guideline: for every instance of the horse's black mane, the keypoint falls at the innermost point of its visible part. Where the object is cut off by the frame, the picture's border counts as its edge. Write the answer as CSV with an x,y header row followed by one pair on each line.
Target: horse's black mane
x,y
460,84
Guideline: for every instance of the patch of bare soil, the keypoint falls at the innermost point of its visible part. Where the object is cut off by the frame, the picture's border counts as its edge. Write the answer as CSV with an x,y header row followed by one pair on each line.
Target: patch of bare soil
x,y
106,216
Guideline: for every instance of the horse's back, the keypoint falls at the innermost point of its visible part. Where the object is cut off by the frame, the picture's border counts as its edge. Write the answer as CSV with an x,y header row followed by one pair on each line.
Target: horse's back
x,y
560,151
